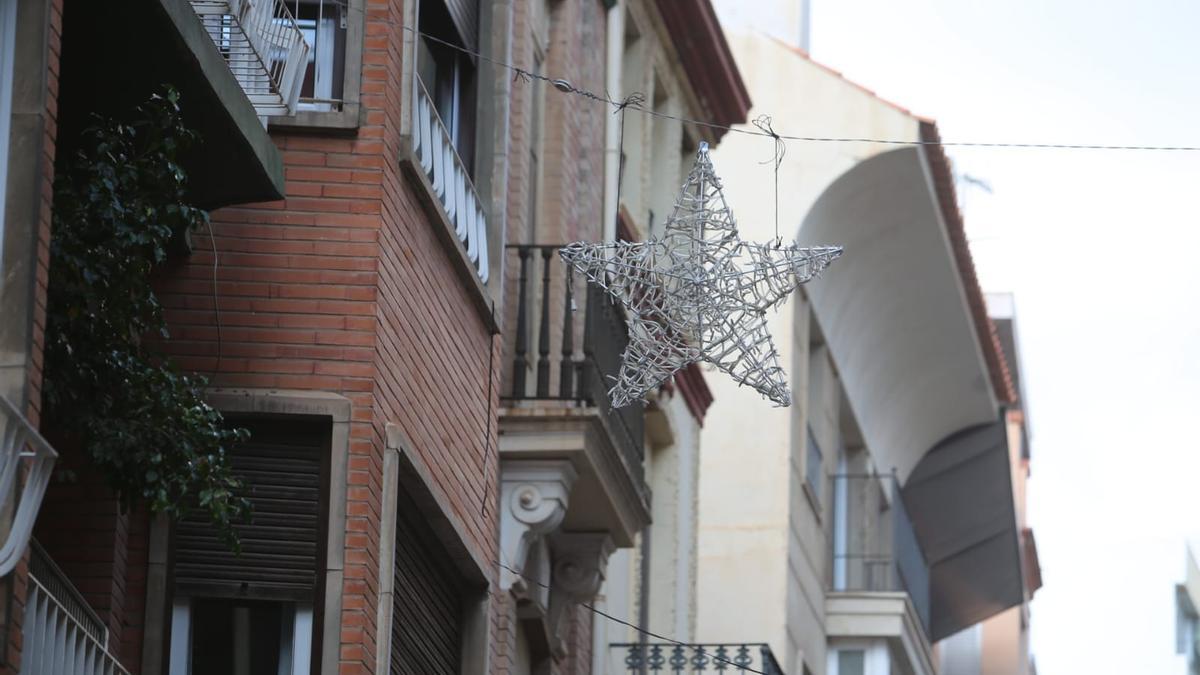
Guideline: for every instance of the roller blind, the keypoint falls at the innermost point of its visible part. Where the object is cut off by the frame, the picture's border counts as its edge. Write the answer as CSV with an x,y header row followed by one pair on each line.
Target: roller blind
x,y
428,600
283,468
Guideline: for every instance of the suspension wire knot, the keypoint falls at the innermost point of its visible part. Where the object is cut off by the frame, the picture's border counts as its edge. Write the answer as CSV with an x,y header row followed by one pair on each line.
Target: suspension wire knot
x,y
521,75
634,100
763,122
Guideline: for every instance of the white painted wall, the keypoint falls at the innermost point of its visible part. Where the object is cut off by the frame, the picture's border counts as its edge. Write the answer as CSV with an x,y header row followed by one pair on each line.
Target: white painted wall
x,y
672,471
673,474
755,523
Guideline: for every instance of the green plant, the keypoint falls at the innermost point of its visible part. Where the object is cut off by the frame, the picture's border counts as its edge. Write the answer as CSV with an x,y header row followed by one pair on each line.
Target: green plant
x,y
117,204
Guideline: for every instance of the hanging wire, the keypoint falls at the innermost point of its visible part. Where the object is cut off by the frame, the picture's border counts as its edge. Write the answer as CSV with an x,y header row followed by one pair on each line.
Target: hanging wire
x,y
567,88
216,295
763,122
638,629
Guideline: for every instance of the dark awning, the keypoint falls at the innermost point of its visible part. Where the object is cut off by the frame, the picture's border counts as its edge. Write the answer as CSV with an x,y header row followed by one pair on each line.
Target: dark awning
x,y
960,499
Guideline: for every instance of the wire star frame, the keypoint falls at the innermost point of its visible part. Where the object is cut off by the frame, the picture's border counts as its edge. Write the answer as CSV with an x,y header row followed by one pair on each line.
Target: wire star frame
x,y
698,293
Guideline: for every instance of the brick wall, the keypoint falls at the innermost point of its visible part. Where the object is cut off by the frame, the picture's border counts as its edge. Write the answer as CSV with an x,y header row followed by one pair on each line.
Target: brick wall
x,y
20,576
570,207
345,287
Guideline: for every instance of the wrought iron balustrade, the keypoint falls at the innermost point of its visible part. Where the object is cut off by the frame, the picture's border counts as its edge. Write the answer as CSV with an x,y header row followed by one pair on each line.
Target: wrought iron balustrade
x,y
566,366
264,47
677,659
875,547
434,147
61,633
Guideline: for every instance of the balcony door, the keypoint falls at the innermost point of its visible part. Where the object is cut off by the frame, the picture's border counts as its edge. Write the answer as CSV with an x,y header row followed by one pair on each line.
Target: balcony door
x,y
449,30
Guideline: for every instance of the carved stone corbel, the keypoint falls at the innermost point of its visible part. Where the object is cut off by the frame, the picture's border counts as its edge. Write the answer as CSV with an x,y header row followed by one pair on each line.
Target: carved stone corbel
x,y
580,564
533,502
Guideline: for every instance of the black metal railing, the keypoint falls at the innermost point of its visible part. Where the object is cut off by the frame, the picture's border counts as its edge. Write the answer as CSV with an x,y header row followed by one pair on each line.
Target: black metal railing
x,y
666,657
875,546
569,338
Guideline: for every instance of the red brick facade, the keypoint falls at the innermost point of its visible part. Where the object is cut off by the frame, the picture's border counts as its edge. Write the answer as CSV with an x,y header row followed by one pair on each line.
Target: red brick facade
x,y
16,611
346,287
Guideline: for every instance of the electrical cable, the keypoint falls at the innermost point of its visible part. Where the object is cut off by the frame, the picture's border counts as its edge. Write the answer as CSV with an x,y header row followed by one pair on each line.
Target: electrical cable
x,y
648,633
567,88
216,296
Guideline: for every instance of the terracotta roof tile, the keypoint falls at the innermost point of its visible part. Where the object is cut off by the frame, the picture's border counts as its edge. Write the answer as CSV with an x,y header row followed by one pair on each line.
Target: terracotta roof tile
x,y
943,178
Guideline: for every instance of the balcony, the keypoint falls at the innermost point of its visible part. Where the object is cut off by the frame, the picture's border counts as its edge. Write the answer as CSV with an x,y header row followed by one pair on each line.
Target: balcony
x,y
875,547
566,341
232,61
433,145
26,462
879,583
669,657
263,46
61,632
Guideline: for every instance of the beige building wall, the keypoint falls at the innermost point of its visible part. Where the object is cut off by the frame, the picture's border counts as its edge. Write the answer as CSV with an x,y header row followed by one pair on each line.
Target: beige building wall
x,y
756,519
658,155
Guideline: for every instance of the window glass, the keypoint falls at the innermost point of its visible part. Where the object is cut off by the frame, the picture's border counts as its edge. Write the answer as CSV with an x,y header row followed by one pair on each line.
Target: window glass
x,y
813,468
851,662
323,24
240,636
448,76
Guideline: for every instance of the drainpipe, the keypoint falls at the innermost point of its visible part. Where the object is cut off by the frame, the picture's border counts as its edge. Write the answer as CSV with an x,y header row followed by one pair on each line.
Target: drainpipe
x,y
612,149
644,591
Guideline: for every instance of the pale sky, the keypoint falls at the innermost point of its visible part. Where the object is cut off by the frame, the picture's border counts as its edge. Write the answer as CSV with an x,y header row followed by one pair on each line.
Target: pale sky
x,y
1099,248
1100,251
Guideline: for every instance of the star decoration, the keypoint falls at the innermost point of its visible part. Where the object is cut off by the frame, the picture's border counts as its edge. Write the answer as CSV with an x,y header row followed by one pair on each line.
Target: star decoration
x,y
698,293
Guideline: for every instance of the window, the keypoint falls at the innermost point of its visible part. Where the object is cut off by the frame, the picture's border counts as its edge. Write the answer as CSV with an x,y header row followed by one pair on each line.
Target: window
x,y
447,74
813,465
634,68
324,24
541,41
664,169
851,662
254,613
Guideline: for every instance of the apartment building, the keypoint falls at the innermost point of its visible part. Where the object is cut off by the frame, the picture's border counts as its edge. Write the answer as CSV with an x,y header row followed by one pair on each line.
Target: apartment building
x,y
437,479
339,304
598,505
877,515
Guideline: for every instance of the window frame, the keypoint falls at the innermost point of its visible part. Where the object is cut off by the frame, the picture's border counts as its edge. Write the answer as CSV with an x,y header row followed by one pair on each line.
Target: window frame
x,y
327,624
349,116
405,471
302,641
305,612
485,296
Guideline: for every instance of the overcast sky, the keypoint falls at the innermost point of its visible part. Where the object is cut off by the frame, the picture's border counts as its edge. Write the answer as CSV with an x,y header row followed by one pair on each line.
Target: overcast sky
x,y
1100,249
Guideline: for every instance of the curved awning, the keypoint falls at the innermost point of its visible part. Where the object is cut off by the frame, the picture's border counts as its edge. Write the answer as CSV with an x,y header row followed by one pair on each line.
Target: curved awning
x,y
960,499
898,317
894,311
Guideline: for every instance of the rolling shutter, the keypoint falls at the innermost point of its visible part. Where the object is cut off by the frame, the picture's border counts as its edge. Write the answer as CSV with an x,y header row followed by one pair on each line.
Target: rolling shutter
x,y
282,466
428,597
